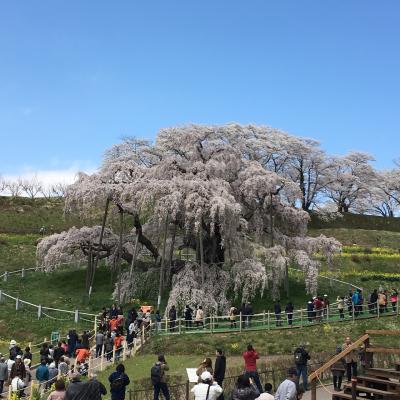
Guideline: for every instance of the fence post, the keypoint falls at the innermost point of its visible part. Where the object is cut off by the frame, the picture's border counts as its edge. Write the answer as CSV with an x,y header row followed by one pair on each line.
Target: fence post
x,y
353,388
124,351
352,311
240,322
102,357
113,355
314,389
263,318
301,317
76,317
327,313
166,324
179,325
143,337
5,276
397,305
89,364
378,308
39,311
17,304
269,320
23,273
1,295
187,390
95,326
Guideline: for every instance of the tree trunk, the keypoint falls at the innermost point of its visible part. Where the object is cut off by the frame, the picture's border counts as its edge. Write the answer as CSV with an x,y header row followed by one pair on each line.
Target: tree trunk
x,y
134,255
103,225
171,255
160,286
121,229
89,269
271,222
201,256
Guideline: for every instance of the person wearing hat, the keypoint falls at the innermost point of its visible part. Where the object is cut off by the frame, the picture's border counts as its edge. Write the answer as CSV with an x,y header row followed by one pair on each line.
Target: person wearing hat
x,y
3,372
18,368
28,374
287,389
207,389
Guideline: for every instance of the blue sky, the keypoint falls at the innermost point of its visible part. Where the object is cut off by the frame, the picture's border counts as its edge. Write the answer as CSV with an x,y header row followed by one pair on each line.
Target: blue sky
x,y
77,76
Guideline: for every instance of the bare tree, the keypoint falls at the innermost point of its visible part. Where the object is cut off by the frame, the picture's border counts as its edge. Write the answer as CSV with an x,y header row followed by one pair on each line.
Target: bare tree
x,y
14,187
31,187
59,189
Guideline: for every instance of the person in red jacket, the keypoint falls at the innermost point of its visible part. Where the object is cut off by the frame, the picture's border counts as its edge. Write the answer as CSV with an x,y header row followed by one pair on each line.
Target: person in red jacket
x,y
250,365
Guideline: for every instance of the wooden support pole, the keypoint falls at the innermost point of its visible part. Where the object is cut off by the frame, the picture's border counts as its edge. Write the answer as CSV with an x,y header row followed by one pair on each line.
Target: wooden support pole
x,y
102,358
314,389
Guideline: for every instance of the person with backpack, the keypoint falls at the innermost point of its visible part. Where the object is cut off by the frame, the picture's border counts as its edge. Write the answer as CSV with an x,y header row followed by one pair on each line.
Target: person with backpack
x,y
118,383
158,378
206,389
301,358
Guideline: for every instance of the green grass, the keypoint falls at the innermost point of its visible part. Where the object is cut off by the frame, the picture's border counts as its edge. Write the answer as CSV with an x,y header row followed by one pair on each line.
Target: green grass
x,y
17,251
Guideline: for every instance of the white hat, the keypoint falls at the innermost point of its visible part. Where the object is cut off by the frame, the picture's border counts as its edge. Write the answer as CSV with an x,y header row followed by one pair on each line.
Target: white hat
x,y
27,361
19,356
13,343
206,376
52,365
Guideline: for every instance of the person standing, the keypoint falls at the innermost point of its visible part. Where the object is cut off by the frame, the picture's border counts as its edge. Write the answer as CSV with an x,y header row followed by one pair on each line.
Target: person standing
x,y
250,361
99,343
244,389
172,318
42,375
118,344
310,311
3,372
85,339
59,392
301,358
249,314
373,301
75,387
158,321
118,382
393,298
289,309
72,341
351,359
58,353
18,368
219,369
267,394
232,316
277,311
207,389
340,305
338,369
188,315
199,317
159,379
287,390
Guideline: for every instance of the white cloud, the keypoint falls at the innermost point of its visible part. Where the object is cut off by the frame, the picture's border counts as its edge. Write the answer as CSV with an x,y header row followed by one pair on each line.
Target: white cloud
x,y
49,177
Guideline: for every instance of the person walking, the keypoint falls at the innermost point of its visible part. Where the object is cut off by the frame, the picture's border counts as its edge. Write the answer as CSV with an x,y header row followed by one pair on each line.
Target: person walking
x,y
188,315
118,383
42,375
340,306
219,369
207,388
351,359
3,373
289,309
85,339
277,311
249,314
118,343
99,339
287,390
393,298
172,318
72,339
94,388
58,353
159,379
245,389
301,358
250,360
158,321
310,311
338,369
199,320
109,346
75,387
373,301
18,368
232,316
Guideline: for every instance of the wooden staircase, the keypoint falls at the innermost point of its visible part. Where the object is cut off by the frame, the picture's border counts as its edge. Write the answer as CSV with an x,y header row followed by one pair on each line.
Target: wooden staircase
x,y
375,383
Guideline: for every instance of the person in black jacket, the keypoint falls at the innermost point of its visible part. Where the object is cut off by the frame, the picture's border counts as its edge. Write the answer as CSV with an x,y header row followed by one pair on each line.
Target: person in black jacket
x,y
188,314
172,318
219,370
277,311
301,358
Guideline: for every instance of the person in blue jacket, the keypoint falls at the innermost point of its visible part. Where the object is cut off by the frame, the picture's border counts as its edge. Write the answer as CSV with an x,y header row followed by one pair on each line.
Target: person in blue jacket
x,y
42,374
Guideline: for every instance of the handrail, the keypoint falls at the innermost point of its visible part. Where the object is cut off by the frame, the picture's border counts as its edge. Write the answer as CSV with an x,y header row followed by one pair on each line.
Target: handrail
x,y
338,357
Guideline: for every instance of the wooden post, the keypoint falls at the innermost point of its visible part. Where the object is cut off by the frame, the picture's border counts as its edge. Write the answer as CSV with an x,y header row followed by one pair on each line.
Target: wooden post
x,y
269,319
314,389
102,358
1,295
23,273
263,322
89,364
39,313
301,317
352,310
5,276
76,317
354,388
166,324
113,355
378,308
179,325
95,326
187,390
143,336
240,322
17,304
124,351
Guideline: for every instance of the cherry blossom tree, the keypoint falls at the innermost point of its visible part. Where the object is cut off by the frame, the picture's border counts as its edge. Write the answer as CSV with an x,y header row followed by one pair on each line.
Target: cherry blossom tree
x,y
223,191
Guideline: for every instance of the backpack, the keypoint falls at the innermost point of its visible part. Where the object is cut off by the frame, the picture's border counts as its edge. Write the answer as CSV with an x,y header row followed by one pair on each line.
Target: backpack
x,y
118,383
156,374
299,357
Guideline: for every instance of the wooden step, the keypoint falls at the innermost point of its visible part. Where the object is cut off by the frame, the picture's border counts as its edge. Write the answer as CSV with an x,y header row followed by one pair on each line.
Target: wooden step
x,y
366,389
383,372
345,396
385,382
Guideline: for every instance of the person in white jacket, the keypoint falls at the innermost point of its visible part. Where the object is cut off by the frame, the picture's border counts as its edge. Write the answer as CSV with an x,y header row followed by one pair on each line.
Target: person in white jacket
x,y
207,389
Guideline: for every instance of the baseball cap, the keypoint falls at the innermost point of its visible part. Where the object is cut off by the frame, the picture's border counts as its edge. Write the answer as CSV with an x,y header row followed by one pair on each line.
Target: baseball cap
x,y
206,376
